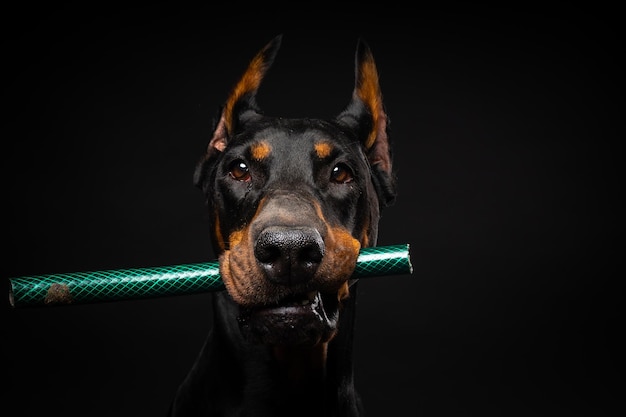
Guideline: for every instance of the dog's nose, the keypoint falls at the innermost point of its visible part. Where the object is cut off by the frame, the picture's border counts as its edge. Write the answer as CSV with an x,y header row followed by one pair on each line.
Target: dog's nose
x,y
289,255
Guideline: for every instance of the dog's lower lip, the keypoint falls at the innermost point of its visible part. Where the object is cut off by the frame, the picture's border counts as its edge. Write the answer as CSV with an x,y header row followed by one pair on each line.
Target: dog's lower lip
x,y
301,320
310,302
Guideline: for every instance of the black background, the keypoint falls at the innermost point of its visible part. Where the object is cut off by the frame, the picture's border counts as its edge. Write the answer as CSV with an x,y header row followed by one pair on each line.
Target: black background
x,y
504,133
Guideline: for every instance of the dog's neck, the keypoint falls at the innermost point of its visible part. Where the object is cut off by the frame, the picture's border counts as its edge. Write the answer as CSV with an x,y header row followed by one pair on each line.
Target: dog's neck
x,y
301,364
232,374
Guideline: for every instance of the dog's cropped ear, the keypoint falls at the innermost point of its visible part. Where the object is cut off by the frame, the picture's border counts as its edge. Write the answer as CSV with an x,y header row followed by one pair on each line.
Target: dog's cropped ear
x,y
241,106
365,116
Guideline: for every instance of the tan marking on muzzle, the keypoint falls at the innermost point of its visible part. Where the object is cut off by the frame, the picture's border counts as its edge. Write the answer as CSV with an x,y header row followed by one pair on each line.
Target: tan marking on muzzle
x,y
239,270
344,292
342,251
246,282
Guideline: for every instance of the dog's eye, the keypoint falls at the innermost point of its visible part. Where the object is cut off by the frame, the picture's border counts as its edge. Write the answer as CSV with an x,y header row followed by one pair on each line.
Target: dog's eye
x,y
239,170
341,174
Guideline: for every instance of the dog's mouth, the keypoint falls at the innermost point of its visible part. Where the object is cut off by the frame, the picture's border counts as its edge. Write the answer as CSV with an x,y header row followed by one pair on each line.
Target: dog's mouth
x,y
304,319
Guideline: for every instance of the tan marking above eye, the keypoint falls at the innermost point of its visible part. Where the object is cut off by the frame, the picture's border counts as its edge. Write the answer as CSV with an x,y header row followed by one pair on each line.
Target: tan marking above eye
x,y
323,149
260,150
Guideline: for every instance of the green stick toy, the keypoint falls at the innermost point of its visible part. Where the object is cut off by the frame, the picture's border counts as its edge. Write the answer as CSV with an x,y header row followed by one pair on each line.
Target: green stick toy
x,y
125,284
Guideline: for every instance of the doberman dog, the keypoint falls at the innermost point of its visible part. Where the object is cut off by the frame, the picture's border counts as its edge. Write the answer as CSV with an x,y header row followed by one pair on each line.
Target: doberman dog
x,y
291,202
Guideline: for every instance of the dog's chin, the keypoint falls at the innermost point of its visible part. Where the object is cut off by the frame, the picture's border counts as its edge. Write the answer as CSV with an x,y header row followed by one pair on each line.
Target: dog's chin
x,y
305,321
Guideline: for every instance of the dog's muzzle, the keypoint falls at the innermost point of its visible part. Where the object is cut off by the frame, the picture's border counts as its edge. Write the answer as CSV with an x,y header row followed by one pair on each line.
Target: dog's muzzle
x,y
290,257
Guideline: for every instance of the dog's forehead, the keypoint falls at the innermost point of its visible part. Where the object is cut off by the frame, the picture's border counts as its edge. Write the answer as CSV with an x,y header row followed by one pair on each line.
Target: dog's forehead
x,y
291,137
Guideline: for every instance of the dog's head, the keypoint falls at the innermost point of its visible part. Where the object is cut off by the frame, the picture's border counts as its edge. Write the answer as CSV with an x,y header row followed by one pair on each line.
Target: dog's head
x,y
292,201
